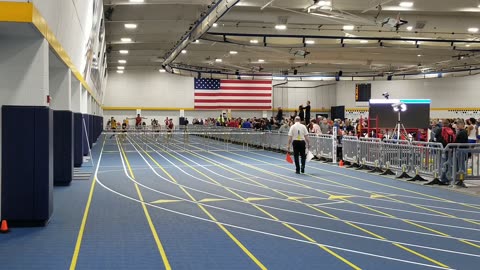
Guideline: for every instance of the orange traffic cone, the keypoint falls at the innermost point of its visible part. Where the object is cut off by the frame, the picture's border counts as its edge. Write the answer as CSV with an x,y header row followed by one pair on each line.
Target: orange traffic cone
x,y
340,164
289,158
4,227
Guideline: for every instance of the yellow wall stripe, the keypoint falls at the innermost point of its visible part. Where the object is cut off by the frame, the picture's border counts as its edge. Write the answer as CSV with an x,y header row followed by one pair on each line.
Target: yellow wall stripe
x,y
15,12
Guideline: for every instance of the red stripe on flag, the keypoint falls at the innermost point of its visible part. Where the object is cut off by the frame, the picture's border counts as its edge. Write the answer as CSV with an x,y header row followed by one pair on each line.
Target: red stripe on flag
x,y
233,107
232,101
199,94
246,81
244,88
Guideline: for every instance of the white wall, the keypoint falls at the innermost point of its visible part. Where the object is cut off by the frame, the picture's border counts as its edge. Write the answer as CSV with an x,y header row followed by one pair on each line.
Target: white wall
x,y
71,23
24,71
153,89
291,95
444,92
459,92
148,88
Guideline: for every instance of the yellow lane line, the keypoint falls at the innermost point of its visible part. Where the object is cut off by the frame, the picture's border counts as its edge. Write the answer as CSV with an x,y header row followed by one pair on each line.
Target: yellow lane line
x,y
312,207
372,182
362,206
435,211
229,234
336,255
422,256
160,247
78,244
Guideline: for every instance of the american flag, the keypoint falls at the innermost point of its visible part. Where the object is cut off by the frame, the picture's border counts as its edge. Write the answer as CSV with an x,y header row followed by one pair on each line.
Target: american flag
x,y
233,94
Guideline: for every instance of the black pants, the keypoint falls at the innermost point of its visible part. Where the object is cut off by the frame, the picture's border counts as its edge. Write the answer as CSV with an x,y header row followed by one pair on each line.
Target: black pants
x,y
299,149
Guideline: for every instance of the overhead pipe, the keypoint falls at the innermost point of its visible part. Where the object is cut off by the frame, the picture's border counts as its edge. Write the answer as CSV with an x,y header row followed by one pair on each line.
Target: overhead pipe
x,y
416,40
201,27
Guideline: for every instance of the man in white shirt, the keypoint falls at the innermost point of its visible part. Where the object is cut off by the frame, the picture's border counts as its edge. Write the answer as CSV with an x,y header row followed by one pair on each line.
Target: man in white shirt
x,y
299,134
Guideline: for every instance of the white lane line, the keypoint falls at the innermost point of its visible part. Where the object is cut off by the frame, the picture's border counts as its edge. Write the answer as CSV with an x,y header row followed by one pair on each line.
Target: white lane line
x,y
267,233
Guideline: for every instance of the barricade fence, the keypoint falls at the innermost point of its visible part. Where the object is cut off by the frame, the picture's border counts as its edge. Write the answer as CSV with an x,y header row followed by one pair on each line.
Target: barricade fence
x,y
420,159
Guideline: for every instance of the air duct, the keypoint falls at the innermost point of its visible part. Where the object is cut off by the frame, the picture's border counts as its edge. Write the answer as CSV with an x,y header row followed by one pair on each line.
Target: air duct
x,y
204,23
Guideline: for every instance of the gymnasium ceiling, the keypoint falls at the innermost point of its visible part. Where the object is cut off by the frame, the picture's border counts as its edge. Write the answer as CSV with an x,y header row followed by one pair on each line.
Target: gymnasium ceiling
x,y
435,39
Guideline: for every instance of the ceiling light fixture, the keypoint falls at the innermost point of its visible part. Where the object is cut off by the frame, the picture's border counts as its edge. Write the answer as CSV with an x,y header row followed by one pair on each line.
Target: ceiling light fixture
x,y
468,45
184,51
280,27
122,61
309,41
120,71
130,26
218,60
419,55
261,60
406,4
196,41
348,27
363,41
409,28
123,51
253,41
126,39
136,1
473,29
233,52
120,67
215,25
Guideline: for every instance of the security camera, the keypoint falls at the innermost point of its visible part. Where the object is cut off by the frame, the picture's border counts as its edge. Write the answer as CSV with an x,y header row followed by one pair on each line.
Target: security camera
x,y
386,95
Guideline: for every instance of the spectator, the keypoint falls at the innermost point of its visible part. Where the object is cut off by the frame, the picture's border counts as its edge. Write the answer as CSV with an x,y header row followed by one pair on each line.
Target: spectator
x,y
324,126
315,128
307,112
462,158
279,115
247,124
301,113
472,130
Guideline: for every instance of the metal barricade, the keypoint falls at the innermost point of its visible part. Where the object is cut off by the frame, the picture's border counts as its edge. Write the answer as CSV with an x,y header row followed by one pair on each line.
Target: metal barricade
x,y
396,156
425,159
350,149
370,153
461,162
324,146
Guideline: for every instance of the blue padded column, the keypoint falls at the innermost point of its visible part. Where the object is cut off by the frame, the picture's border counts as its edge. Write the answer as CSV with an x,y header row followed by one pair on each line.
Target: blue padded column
x,y
27,165
85,126
63,148
77,140
91,138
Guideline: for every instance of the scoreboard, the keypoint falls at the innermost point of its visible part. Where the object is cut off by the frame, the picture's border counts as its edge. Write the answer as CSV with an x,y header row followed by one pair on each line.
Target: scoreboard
x,y
363,92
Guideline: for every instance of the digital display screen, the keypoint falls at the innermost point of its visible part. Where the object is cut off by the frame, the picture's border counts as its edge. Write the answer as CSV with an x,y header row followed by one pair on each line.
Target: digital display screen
x,y
416,116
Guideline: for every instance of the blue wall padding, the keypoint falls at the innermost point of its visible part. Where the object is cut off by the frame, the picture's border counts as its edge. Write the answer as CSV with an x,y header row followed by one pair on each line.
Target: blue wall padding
x,y
27,165
77,140
62,147
91,138
85,126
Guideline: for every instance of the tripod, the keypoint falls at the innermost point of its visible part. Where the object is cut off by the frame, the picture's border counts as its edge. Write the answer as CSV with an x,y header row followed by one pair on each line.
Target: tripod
x,y
400,129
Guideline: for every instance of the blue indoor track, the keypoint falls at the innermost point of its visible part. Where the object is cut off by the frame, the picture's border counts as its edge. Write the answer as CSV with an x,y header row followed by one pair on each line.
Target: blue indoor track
x,y
152,204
